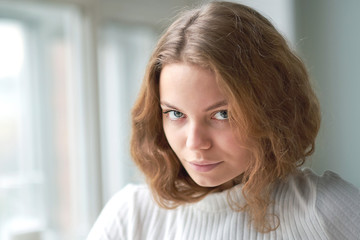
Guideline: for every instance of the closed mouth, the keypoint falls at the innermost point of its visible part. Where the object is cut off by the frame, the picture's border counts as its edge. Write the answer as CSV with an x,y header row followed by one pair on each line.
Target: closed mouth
x,y
204,166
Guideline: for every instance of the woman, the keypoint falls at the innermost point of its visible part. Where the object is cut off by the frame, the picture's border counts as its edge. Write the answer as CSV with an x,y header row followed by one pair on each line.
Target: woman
x,y
225,118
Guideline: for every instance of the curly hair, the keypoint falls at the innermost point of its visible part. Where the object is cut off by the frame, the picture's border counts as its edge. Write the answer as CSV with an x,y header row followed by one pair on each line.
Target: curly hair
x,y
270,101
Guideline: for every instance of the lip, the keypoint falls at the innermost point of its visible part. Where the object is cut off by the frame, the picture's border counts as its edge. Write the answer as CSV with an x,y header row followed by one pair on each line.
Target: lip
x,y
204,166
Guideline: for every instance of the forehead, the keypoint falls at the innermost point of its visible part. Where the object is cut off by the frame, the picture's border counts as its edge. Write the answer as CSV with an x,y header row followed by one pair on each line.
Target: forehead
x,y
189,86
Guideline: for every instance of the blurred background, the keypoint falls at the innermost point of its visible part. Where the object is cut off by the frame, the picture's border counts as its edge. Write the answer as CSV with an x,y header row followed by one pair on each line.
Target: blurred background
x,y
70,71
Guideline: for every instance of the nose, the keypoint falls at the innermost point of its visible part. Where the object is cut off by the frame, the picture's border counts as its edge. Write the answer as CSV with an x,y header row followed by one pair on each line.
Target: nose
x,y
198,137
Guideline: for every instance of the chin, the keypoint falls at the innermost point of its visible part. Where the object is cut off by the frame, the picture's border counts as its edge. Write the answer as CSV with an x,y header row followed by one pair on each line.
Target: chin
x,y
208,182
223,185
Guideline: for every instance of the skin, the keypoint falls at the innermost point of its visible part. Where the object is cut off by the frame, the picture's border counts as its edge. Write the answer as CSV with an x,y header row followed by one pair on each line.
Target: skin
x,y
196,125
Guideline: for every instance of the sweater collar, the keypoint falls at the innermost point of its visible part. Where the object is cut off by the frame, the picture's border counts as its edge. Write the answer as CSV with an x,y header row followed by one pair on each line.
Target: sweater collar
x,y
217,202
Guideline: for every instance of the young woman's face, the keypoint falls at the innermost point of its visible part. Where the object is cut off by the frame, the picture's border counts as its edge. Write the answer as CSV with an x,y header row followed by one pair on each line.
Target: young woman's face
x,y
196,125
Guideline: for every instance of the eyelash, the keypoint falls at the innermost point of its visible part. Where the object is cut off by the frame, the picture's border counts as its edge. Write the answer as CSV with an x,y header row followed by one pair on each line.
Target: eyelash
x,y
173,111
183,115
221,111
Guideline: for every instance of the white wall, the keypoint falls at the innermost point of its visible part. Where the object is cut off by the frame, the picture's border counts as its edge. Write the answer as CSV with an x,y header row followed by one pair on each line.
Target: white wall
x,y
328,36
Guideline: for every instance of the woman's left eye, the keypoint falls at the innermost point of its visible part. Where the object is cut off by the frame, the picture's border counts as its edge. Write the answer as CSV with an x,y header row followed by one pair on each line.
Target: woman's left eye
x,y
221,115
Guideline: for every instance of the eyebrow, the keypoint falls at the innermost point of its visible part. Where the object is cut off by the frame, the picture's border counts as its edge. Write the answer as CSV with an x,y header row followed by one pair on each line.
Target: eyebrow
x,y
216,105
211,107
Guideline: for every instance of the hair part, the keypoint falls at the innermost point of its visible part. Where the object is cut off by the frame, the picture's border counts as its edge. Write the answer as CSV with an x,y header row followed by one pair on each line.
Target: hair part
x,y
270,98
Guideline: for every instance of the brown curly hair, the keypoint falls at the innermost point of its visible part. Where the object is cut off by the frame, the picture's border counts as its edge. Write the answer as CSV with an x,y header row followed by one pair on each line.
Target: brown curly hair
x,y
270,98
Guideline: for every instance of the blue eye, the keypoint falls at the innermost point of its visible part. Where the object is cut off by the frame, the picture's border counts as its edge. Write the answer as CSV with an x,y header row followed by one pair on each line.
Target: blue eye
x,y
174,115
221,115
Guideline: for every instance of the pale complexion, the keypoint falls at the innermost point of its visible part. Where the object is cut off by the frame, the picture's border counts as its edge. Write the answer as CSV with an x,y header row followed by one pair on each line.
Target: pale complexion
x,y
196,125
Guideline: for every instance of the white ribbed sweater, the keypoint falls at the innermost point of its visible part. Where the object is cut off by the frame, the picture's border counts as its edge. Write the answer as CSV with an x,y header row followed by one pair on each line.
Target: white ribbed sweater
x,y
308,207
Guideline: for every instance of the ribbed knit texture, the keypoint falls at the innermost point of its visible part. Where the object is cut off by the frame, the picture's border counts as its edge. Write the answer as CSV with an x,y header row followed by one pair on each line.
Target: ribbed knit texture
x,y
308,207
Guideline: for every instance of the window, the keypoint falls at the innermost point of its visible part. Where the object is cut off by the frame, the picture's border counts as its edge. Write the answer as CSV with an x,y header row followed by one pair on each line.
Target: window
x,y
67,84
123,53
21,178
47,155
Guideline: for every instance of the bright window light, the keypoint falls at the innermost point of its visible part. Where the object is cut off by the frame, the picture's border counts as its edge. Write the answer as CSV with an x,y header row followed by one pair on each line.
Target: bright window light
x,y
11,48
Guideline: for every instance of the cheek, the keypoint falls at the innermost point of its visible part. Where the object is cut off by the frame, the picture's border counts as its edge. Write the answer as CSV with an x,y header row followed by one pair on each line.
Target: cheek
x,y
235,146
173,137
229,139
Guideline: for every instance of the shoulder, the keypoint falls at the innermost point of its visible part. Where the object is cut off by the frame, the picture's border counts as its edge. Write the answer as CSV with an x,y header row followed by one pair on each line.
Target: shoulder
x,y
338,204
308,184
331,183
129,194
128,200
125,207
300,188
333,191
334,201
327,190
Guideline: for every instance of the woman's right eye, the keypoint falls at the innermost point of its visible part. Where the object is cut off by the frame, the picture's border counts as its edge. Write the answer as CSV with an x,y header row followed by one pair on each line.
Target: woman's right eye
x,y
174,115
